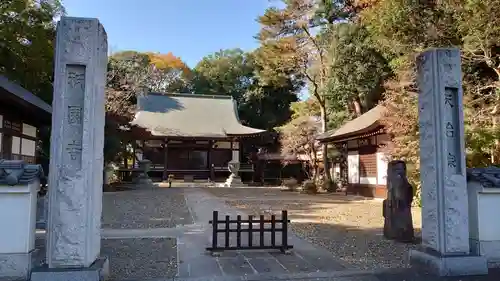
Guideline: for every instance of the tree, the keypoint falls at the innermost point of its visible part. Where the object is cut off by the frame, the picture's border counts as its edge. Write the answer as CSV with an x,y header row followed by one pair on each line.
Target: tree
x,y
172,71
357,70
26,43
479,26
232,72
226,72
131,74
401,30
126,78
290,48
298,137
304,108
331,11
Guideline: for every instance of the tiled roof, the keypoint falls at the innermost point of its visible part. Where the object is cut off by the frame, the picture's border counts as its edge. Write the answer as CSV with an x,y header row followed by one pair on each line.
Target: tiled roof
x,y
370,119
488,177
189,115
23,94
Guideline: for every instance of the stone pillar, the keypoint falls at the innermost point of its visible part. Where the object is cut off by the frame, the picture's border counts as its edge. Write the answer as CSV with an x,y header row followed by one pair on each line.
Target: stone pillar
x,y
77,141
445,223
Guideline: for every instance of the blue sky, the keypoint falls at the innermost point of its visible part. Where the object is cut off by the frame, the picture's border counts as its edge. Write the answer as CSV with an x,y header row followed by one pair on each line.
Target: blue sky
x,y
190,29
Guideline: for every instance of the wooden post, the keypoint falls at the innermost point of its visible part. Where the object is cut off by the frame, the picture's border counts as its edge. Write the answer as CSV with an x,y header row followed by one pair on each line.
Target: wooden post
x,y
238,231
165,160
125,158
273,230
261,230
227,232
215,224
250,232
209,160
284,233
134,146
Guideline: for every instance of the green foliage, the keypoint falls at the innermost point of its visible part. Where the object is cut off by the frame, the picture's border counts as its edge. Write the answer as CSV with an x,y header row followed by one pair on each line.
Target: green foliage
x,y
26,43
233,72
131,74
403,28
356,69
227,72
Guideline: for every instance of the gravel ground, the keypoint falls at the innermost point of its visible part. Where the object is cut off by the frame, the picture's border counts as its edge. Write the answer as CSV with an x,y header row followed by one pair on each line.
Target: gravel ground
x,y
141,258
348,227
145,209
134,258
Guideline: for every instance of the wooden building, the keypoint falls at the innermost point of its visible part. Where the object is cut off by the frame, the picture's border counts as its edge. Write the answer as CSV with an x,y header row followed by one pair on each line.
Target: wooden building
x,y
362,163
21,116
191,136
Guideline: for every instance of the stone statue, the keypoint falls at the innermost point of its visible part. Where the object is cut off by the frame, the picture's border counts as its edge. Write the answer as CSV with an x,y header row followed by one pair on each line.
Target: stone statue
x,y
234,179
233,167
398,223
143,180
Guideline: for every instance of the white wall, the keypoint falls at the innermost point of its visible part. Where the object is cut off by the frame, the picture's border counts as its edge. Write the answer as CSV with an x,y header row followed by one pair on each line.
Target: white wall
x,y
28,147
368,180
29,130
16,145
223,144
236,155
334,170
488,205
353,167
381,168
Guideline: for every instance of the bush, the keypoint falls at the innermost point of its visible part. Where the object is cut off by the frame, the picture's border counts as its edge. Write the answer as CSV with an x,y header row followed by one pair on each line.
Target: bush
x,y
290,184
310,186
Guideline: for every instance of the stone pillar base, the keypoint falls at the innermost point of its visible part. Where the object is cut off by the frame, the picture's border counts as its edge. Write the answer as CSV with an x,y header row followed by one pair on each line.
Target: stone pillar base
x,y
449,265
143,182
16,266
233,181
98,271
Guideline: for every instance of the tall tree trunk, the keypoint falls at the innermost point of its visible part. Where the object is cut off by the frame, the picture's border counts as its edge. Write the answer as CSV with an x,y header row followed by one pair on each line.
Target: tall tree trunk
x,y
495,150
326,164
495,153
358,108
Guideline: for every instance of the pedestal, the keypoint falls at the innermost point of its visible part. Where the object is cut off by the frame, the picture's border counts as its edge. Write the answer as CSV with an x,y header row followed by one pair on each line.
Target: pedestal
x,y
442,265
97,271
445,215
77,142
233,181
17,237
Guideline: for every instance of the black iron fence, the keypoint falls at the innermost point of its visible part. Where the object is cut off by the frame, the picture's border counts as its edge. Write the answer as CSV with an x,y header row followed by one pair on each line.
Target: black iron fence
x,y
272,226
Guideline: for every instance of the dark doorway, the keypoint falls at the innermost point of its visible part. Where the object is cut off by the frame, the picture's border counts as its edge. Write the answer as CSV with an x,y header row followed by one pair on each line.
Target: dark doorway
x,y
6,147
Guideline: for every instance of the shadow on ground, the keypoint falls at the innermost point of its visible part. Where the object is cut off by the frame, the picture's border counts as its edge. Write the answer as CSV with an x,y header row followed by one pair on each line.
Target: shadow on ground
x,y
350,227
358,248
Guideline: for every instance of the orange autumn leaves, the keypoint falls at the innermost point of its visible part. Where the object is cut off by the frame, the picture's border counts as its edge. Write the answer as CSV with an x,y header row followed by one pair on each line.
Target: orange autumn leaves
x,y
169,61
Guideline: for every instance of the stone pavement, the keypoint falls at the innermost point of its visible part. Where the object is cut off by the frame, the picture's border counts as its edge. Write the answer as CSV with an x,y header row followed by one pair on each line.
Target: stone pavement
x,y
194,261
143,245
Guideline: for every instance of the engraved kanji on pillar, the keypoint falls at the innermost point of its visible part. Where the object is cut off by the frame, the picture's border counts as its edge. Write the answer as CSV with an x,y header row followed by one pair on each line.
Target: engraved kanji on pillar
x,y
77,141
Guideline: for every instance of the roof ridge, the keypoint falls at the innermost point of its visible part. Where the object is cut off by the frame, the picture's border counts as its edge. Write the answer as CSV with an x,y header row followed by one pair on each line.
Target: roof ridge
x,y
189,95
16,89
